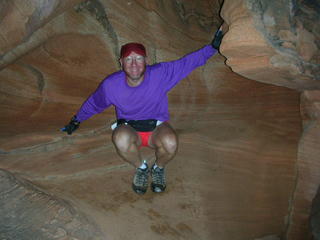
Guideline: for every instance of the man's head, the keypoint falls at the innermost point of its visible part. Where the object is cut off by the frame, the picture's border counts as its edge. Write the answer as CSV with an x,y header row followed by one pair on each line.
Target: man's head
x,y
133,62
132,47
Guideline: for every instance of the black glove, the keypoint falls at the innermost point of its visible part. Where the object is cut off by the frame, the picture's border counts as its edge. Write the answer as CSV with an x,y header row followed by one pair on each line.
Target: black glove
x,y
72,126
217,39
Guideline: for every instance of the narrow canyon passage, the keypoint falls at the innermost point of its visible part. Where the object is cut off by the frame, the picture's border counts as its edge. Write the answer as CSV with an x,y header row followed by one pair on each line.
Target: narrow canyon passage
x,y
244,168
231,179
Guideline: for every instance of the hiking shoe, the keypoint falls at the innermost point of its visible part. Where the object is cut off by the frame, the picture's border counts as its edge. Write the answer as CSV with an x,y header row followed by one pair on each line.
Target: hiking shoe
x,y
158,179
140,181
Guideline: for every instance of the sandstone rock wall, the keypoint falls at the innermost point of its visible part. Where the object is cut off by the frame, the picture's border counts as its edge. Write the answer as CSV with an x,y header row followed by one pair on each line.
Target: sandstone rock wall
x,y
307,167
277,42
255,180
20,20
91,32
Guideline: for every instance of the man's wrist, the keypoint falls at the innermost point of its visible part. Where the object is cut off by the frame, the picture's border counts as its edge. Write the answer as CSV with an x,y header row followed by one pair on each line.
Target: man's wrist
x,y
217,39
75,121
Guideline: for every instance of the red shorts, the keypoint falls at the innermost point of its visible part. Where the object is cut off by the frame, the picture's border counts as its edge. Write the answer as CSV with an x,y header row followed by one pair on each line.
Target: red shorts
x,y
144,138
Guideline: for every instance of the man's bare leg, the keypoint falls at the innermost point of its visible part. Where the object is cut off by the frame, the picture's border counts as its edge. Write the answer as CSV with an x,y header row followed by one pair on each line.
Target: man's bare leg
x,y
126,142
165,141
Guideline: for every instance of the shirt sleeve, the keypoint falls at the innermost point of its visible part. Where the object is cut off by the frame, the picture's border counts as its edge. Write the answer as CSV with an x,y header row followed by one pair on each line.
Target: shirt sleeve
x,y
96,103
179,69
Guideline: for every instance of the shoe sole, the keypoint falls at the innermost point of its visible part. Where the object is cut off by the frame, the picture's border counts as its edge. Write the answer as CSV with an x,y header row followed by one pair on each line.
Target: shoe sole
x,y
138,190
157,189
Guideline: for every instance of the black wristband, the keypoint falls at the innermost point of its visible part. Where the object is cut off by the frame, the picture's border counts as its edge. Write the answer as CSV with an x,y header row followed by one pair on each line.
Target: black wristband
x,y
74,120
217,39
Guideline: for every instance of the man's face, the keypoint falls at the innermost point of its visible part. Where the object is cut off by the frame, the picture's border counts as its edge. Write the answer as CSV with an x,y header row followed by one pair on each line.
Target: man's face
x,y
134,66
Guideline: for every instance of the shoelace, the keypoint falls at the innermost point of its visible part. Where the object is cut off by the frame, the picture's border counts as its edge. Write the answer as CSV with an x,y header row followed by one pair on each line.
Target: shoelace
x,y
158,176
142,177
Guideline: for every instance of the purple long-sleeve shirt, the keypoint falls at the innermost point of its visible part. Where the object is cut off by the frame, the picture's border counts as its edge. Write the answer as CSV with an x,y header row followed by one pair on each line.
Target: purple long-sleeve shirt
x,y
148,100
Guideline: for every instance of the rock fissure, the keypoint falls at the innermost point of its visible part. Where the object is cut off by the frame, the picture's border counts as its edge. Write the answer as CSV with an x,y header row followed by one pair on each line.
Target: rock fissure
x,y
39,76
97,9
291,209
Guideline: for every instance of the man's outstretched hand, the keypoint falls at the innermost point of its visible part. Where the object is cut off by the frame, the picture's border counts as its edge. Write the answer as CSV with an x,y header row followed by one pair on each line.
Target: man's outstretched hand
x,y
217,38
72,126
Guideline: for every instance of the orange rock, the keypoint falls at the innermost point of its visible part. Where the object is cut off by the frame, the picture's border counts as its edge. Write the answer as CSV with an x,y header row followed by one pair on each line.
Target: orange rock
x,y
273,43
235,175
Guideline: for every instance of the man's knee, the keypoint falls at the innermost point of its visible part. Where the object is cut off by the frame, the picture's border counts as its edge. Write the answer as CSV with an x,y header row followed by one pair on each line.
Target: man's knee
x,y
170,143
122,138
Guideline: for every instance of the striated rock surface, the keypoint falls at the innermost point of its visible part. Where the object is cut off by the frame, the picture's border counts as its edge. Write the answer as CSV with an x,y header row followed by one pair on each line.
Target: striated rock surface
x,y
30,213
19,20
251,152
